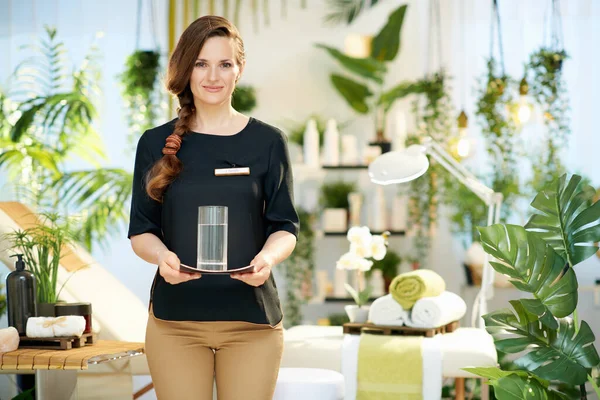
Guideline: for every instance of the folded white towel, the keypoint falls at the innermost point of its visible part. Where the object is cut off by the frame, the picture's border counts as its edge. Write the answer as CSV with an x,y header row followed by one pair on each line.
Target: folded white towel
x,y
9,339
39,327
433,312
387,311
69,325
72,325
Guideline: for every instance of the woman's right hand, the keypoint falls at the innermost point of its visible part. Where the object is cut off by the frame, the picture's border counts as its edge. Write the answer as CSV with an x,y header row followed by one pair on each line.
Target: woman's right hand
x,y
168,267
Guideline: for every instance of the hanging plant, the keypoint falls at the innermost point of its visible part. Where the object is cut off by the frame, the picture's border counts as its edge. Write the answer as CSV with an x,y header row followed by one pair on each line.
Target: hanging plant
x,y
138,88
425,193
299,269
498,130
244,98
549,92
346,11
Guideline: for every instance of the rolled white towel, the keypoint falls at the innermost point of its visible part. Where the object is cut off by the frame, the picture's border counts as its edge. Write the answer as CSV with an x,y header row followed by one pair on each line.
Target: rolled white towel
x,y
387,311
68,325
71,325
436,311
38,327
9,339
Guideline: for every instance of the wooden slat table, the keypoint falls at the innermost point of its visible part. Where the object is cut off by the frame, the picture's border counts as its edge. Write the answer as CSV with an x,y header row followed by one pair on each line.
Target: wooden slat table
x,y
56,370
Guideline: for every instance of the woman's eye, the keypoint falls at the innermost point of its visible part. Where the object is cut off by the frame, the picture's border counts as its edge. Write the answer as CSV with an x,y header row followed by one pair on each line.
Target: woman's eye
x,y
227,65
200,64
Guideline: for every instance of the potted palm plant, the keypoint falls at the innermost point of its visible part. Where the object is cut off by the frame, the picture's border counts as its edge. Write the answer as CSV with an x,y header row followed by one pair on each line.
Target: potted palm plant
x,y
51,123
43,245
554,351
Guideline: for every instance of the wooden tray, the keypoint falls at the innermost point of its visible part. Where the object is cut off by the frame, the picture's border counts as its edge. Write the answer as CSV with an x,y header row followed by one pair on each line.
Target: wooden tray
x,y
357,329
58,343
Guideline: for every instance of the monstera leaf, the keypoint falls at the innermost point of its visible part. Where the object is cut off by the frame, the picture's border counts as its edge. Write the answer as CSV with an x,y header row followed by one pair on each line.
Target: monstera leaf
x,y
355,93
365,67
554,354
565,219
386,44
513,387
533,267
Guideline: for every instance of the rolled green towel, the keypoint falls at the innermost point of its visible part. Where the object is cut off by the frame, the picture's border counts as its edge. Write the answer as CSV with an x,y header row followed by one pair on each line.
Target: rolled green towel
x,y
409,287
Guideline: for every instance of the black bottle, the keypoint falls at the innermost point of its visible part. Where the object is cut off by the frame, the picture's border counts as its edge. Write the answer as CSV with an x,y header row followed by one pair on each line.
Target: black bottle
x,y
20,296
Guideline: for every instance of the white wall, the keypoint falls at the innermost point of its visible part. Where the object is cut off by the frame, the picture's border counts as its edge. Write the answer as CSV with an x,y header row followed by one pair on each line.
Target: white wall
x,y
292,79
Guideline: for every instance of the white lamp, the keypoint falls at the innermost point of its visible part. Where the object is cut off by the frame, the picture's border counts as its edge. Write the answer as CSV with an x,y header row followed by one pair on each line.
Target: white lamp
x,y
404,166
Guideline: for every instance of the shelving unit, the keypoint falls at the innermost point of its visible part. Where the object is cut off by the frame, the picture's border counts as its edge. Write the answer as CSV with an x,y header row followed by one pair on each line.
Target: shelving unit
x,y
392,233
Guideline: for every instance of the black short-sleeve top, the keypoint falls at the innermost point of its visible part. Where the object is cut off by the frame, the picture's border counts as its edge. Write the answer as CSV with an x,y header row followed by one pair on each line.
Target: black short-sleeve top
x,y
258,205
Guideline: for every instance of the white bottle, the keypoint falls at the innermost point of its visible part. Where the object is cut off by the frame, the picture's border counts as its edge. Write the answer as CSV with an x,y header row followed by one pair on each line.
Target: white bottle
x,y
349,150
331,144
397,127
399,213
311,144
378,211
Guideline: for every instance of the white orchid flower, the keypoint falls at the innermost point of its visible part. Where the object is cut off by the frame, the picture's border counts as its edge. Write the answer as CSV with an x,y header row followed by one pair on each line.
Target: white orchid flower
x,y
361,250
378,249
360,235
349,261
364,265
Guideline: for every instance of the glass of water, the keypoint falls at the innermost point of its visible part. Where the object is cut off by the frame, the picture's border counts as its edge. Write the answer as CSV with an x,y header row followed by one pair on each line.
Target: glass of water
x,y
212,238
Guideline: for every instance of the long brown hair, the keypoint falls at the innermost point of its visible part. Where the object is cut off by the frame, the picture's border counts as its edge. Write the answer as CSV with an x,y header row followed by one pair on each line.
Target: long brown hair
x,y
181,65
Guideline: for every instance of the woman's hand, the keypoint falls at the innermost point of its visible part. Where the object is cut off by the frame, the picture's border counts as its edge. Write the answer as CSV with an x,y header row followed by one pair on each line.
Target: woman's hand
x,y
262,271
168,267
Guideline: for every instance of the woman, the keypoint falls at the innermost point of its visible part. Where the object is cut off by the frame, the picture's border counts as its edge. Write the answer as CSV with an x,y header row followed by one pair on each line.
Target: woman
x,y
222,326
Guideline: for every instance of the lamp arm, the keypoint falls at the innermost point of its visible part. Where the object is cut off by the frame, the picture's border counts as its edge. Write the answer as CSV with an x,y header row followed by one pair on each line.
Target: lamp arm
x,y
432,144
475,186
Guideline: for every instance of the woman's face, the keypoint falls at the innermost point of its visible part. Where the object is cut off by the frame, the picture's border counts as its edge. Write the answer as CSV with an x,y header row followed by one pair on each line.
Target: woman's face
x,y
215,72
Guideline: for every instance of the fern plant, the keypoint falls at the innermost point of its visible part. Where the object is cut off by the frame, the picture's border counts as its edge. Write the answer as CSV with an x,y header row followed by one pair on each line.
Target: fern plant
x,y
47,123
554,348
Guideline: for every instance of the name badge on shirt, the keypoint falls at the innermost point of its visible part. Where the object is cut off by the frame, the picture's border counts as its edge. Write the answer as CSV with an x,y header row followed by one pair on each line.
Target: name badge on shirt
x,y
232,171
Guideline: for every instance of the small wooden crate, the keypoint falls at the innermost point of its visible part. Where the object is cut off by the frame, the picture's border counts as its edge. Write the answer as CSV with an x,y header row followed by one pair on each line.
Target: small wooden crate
x,y
357,329
58,343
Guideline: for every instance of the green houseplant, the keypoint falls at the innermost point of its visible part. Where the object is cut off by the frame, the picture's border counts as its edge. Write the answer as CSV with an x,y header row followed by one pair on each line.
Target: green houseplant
x,y
244,98
46,124
299,269
43,245
335,194
139,90
553,349
367,95
334,202
549,92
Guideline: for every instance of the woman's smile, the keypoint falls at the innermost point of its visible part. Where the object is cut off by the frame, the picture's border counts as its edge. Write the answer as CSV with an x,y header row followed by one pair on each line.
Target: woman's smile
x,y
212,89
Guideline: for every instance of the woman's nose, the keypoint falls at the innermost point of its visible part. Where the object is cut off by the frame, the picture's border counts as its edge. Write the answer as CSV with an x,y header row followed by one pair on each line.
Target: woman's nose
x,y
212,73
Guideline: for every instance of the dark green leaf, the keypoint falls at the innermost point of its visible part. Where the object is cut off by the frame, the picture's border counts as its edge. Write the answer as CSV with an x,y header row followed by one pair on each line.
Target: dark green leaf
x,y
532,265
355,93
560,355
366,67
401,90
518,387
386,44
566,220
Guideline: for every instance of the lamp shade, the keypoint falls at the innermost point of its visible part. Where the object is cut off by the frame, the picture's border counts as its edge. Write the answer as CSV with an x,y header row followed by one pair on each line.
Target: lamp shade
x,y
399,166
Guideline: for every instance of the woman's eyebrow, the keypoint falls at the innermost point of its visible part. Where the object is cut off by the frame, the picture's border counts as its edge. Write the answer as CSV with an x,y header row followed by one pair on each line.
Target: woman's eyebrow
x,y
202,59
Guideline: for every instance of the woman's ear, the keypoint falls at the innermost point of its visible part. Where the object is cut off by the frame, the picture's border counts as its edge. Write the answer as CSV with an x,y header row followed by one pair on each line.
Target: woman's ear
x,y
240,71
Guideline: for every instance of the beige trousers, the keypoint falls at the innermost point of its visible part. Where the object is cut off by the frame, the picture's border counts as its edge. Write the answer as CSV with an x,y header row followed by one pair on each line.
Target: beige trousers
x,y
185,356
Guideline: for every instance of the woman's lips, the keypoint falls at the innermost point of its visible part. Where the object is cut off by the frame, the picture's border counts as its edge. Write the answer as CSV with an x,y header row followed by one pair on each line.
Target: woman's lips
x,y
212,89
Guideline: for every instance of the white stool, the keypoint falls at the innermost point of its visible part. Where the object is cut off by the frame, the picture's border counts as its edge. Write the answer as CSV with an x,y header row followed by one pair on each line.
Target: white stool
x,y
309,383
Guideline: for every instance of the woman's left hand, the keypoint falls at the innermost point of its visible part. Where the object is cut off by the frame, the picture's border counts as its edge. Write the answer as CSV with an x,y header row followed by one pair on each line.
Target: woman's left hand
x,y
262,270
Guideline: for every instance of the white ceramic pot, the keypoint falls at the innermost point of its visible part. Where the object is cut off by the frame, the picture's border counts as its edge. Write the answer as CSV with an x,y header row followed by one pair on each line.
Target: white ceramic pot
x,y
357,314
335,220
